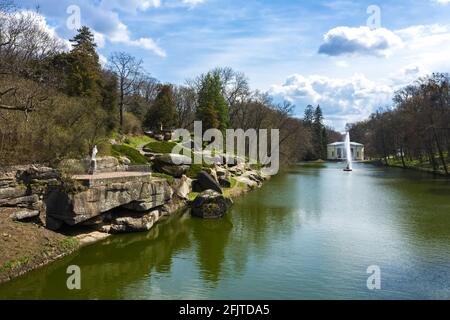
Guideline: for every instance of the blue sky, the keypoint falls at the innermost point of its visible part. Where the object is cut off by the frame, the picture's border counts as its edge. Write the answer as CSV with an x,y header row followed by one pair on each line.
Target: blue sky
x,y
318,52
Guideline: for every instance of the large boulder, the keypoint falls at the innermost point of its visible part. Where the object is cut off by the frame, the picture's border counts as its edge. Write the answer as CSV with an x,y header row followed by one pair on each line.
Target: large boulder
x,y
134,223
182,187
212,173
225,182
206,182
254,175
24,214
108,164
175,165
223,177
173,159
36,173
210,205
174,171
8,194
247,182
79,206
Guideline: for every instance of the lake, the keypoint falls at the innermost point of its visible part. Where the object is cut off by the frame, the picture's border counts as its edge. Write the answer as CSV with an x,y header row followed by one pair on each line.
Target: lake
x,y
309,233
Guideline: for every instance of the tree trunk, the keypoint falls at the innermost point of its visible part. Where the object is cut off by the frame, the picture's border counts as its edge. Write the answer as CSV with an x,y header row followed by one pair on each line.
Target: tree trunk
x,y
121,112
403,156
441,154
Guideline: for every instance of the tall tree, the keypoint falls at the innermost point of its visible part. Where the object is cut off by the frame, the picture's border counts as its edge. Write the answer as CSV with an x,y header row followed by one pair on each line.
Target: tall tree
x,y
162,113
84,67
319,134
128,70
309,115
212,108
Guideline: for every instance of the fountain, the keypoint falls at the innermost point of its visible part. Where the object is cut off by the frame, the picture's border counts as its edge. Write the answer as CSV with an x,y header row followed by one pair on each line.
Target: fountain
x,y
348,153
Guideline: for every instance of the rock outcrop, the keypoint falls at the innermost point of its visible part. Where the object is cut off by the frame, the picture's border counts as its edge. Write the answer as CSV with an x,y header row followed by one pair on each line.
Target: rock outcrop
x,y
210,205
207,182
134,223
174,165
138,193
24,214
24,188
182,187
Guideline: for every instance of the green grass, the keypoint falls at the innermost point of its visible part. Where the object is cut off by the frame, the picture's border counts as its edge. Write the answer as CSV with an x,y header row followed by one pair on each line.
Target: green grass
x,y
13,264
170,179
160,147
126,151
69,244
193,195
233,182
136,141
194,170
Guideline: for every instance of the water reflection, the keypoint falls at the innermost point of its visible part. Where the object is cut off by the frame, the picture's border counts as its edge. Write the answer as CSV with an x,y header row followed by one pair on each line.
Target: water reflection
x,y
308,233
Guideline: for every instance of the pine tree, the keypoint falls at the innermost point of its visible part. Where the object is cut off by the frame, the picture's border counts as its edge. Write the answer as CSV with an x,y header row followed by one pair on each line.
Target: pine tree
x,y
212,108
83,67
319,138
162,113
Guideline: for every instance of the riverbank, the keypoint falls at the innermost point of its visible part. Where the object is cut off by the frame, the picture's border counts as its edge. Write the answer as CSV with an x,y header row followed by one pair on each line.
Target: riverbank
x,y
413,166
27,244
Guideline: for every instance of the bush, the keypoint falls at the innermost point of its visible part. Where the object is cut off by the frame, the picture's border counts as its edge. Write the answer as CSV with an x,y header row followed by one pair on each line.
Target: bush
x,y
125,151
131,124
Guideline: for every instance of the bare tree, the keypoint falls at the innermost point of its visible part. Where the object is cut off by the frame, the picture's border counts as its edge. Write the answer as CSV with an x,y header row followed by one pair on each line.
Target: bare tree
x,y
128,70
186,104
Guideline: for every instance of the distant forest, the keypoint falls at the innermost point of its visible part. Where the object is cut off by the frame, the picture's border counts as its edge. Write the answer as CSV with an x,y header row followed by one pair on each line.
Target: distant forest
x,y
415,131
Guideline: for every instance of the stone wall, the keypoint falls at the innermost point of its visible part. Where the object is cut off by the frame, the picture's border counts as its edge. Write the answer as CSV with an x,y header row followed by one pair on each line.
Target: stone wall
x,y
24,188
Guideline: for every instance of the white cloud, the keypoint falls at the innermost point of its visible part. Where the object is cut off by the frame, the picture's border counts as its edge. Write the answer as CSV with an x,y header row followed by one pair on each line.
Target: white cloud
x,y
99,39
426,45
103,60
442,1
107,26
408,75
342,100
148,44
361,40
193,2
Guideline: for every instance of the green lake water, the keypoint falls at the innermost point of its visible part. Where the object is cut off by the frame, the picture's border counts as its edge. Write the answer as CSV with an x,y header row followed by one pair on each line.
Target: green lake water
x,y
310,233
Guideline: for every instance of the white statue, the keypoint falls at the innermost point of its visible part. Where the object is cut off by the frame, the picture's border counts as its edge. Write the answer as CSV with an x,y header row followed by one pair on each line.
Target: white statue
x,y
93,164
94,154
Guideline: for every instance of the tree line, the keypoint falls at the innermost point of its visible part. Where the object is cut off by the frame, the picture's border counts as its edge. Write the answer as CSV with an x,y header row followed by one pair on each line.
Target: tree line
x,y
57,102
415,131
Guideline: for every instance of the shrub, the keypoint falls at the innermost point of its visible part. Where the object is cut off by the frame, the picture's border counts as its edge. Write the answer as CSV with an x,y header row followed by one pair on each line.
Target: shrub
x,y
131,124
69,244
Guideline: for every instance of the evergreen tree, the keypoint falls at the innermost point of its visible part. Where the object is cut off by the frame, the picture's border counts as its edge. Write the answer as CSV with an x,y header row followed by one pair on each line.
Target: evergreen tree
x,y
83,67
162,113
212,108
109,94
319,134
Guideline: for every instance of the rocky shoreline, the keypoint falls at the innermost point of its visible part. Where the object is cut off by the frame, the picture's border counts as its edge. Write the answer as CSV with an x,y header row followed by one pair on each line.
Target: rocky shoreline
x,y
60,214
